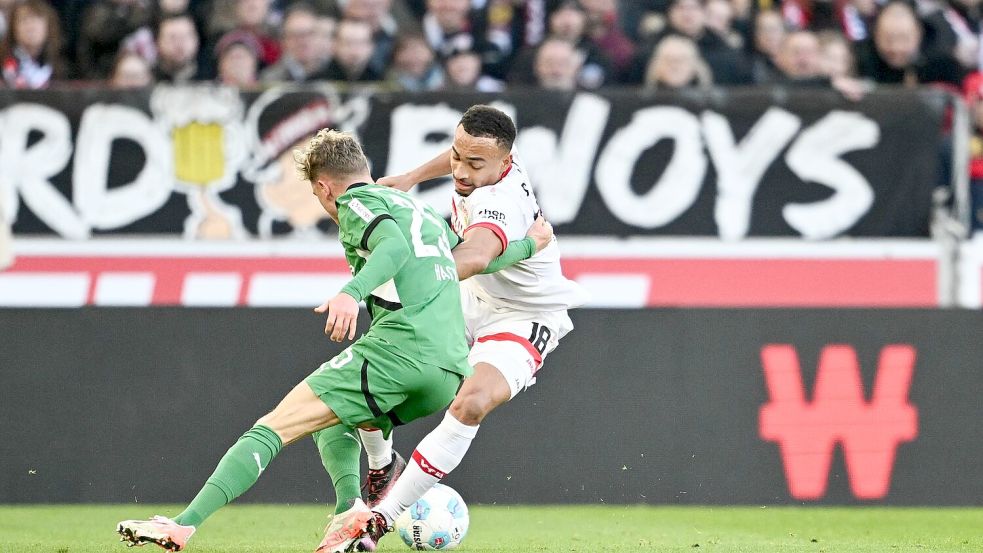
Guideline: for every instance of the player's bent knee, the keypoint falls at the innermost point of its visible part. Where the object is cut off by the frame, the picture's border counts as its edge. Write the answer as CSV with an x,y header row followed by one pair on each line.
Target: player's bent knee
x,y
471,407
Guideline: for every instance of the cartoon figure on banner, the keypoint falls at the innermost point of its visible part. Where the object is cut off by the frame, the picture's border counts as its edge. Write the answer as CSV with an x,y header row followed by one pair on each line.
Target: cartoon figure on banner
x,y
205,128
279,121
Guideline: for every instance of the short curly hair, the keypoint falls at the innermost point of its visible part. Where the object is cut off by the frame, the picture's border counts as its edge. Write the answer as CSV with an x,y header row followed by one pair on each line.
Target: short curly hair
x,y
487,122
333,152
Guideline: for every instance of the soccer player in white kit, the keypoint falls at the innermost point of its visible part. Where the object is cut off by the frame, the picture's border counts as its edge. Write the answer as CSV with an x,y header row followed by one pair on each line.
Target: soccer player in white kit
x,y
514,317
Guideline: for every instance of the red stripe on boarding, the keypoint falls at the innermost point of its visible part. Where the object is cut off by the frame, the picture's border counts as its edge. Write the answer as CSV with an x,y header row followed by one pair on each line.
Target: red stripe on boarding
x,y
426,467
509,337
494,228
762,282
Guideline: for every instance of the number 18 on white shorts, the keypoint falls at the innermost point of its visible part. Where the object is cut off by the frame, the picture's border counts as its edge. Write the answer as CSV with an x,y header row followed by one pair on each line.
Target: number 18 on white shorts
x,y
514,342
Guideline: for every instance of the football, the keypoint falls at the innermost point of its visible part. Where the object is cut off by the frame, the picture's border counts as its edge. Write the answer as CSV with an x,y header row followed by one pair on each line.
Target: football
x,y
439,520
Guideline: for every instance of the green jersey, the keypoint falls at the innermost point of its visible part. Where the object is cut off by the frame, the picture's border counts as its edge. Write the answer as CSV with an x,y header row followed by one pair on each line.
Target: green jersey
x,y
418,311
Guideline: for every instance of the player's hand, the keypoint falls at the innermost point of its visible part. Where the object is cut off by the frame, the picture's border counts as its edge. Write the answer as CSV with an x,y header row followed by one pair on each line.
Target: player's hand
x,y
542,232
342,313
399,182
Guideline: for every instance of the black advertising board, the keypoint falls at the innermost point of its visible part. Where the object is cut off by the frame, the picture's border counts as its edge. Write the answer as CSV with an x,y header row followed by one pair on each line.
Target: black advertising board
x,y
640,406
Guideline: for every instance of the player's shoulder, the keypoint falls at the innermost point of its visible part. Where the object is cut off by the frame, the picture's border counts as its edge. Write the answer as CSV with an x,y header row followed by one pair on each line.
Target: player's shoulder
x,y
365,201
512,188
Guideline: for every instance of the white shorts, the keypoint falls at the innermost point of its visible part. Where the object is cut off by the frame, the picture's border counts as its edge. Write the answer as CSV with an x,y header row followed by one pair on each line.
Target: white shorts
x,y
514,342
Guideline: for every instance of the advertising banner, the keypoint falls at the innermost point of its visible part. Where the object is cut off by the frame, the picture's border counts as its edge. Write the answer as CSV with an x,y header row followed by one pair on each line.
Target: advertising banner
x,y
663,406
213,163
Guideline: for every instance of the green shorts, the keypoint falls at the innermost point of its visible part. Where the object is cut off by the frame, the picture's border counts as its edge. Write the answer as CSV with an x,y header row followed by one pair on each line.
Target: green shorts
x,y
369,385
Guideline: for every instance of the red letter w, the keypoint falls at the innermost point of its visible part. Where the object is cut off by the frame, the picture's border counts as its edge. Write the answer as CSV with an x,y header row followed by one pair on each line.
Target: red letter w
x,y
807,432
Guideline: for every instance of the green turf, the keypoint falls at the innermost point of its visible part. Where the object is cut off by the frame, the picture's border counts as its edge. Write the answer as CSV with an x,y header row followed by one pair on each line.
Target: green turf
x,y
278,528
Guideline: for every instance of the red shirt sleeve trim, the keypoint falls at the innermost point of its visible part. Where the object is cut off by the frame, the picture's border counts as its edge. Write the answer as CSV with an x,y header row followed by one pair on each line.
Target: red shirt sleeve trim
x,y
492,227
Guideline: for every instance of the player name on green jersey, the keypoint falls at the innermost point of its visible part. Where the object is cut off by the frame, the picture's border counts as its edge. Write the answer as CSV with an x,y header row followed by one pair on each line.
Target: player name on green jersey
x,y
419,310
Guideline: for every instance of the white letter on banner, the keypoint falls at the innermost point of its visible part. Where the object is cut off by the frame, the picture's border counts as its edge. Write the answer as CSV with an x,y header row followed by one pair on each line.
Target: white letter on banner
x,y
740,167
815,157
106,208
561,175
679,185
29,168
409,147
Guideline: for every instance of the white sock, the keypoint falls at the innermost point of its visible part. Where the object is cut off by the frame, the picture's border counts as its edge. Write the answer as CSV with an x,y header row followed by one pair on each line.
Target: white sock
x,y
438,453
378,449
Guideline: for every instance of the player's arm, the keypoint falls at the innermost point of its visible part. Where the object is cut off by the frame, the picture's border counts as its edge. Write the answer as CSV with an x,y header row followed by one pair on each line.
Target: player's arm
x,y
388,252
539,235
436,167
480,246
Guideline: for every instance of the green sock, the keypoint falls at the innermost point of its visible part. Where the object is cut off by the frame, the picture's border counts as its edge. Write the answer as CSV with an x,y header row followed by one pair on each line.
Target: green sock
x,y
238,470
340,451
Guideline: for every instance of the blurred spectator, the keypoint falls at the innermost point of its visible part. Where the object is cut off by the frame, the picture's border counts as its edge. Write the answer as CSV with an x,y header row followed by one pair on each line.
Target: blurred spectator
x,y
253,16
130,71
444,19
769,32
567,22
305,49
353,52
836,55
377,13
641,19
557,65
109,26
894,56
973,91
799,57
965,17
857,18
676,64
166,8
250,16
238,54
512,25
462,70
800,60
324,39
177,50
720,20
414,65
31,51
688,18
5,8
604,30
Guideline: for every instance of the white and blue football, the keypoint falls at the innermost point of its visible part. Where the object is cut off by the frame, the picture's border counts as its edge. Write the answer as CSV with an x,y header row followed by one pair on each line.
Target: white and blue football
x,y
438,520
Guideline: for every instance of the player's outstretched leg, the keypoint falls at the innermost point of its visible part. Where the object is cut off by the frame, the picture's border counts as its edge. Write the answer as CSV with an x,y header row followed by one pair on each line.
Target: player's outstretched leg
x,y
238,470
299,414
340,450
385,465
443,449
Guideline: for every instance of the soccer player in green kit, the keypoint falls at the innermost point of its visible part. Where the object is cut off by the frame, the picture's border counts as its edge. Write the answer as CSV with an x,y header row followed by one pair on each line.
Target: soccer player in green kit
x,y
409,364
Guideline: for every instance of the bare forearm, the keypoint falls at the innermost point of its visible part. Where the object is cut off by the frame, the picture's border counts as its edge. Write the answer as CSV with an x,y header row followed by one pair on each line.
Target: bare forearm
x,y
469,263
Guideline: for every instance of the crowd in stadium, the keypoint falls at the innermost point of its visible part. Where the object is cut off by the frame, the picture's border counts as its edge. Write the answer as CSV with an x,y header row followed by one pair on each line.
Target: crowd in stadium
x,y
488,44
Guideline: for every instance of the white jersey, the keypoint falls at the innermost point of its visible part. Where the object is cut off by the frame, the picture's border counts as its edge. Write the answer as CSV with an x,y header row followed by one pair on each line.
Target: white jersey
x,y
509,208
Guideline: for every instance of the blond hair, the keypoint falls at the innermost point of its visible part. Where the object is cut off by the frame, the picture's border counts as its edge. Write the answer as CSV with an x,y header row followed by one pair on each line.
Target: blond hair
x,y
702,77
333,152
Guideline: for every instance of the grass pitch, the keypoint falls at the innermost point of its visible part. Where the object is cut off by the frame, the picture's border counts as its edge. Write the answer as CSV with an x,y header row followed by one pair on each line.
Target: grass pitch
x,y
280,528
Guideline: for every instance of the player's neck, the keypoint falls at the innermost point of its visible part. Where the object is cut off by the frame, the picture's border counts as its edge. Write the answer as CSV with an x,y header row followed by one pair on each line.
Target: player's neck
x,y
358,180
